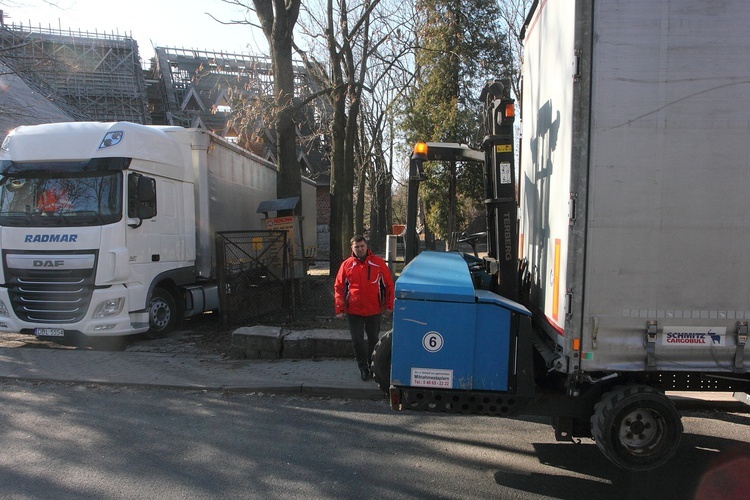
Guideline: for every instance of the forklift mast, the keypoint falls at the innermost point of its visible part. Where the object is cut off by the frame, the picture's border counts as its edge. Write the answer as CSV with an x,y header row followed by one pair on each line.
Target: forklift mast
x,y
498,164
500,190
429,151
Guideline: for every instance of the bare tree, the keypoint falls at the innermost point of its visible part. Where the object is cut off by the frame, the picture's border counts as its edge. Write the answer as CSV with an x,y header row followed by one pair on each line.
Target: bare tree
x,y
356,39
277,18
390,77
513,14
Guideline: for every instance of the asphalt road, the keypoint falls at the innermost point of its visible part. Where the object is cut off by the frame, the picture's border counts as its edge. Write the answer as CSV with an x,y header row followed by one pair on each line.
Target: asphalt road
x,y
91,441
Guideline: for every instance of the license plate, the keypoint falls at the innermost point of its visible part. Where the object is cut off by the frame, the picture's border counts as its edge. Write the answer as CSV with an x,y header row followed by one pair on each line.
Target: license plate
x,y
49,332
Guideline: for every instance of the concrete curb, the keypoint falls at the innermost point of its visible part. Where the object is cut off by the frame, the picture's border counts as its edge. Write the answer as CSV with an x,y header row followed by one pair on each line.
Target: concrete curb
x,y
272,342
317,391
329,377
290,390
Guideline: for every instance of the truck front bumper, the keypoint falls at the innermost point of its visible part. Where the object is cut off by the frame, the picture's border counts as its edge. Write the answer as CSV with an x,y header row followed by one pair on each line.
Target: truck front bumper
x,y
110,306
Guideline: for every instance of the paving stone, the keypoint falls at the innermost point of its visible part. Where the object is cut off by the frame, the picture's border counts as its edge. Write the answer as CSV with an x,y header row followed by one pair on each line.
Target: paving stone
x,y
257,342
312,344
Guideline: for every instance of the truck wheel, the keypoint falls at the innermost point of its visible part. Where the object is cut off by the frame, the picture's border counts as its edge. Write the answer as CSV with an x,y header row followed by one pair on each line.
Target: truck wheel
x,y
381,362
162,313
636,427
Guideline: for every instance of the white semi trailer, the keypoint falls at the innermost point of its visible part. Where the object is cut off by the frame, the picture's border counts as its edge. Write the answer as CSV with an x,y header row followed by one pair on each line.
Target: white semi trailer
x,y
633,214
632,224
634,170
107,229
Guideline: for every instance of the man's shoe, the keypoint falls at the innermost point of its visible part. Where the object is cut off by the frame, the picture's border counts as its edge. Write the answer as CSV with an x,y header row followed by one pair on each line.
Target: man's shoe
x,y
365,374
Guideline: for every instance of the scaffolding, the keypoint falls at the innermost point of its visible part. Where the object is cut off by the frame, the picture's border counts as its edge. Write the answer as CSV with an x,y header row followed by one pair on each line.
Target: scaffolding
x,y
97,74
203,88
204,83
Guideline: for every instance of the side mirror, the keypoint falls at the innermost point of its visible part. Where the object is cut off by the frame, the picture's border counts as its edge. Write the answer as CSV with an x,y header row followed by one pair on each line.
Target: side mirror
x,y
146,212
141,198
146,189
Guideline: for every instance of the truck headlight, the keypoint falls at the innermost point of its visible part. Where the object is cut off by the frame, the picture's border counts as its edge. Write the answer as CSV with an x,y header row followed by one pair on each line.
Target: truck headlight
x,y
109,307
4,310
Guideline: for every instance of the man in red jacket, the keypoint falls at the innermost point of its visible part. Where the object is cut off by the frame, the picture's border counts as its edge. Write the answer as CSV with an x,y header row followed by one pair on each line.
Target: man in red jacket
x,y
362,292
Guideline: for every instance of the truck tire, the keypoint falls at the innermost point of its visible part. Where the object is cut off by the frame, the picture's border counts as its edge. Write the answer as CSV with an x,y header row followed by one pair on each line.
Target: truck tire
x,y
162,313
636,427
381,362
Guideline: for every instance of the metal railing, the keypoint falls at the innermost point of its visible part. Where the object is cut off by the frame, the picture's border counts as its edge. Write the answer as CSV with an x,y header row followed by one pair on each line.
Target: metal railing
x,y
255,275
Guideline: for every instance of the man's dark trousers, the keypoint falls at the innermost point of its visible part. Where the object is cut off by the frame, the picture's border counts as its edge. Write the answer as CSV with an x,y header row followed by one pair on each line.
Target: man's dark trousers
x,y
358,326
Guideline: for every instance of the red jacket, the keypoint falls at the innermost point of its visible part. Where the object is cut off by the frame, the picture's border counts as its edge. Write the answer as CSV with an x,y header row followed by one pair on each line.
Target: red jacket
x,y
363,287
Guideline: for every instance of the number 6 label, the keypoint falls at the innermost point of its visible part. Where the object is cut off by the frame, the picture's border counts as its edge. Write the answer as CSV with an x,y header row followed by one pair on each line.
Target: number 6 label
x,y
432,341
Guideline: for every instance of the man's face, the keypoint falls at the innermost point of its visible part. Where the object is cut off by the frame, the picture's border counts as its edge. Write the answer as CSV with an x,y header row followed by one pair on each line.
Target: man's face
x,y
359,248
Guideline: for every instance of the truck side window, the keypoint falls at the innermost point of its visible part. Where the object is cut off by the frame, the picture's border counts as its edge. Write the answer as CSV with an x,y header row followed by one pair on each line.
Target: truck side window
x,y
141,196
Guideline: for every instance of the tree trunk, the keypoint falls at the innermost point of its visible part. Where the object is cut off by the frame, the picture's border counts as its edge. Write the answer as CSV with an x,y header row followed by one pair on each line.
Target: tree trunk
x,y
451,203
359,217
339,242
350,161
379,228
277,18
361,147
289,182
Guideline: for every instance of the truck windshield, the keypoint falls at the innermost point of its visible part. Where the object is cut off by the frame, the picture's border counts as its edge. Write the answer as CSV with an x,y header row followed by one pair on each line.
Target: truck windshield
x,y
69,199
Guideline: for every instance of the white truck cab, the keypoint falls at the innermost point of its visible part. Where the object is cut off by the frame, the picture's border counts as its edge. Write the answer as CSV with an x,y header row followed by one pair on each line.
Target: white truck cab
x,y
98,225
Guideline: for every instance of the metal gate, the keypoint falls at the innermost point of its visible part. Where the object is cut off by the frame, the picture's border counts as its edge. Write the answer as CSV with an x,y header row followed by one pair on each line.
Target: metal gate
x,y
255,275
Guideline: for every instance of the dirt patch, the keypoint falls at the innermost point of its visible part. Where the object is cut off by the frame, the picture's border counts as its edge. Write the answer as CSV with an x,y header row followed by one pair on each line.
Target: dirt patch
x,y
202,335
13,340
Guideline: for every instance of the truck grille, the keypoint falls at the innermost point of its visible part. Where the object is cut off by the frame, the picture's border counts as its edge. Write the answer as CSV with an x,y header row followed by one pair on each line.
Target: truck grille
x,y
50,295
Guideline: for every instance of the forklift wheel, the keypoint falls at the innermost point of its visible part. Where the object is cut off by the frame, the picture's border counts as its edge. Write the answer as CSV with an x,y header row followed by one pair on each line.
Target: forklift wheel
x,y
381,362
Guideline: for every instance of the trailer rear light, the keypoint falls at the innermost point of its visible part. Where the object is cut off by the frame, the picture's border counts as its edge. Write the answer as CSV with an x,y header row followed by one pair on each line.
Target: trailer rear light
x,y
395,399
576,344
510,110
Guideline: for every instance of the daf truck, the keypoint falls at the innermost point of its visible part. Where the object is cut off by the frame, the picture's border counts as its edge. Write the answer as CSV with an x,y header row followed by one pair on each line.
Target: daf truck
x,y
107,229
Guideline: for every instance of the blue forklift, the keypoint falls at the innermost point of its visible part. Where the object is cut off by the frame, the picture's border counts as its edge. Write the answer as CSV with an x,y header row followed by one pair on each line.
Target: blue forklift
x,y
479,359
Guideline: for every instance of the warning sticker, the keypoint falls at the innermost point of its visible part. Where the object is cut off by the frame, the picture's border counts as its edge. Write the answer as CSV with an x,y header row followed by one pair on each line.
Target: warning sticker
x,y
691,336
505,173
431,377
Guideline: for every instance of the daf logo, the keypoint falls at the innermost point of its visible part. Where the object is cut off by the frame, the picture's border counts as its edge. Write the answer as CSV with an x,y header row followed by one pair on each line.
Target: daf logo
x,y
48,263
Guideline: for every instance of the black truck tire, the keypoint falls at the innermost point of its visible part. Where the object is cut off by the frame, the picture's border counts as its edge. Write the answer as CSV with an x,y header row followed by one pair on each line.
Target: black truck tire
x,y
381,361
162,313
636,427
